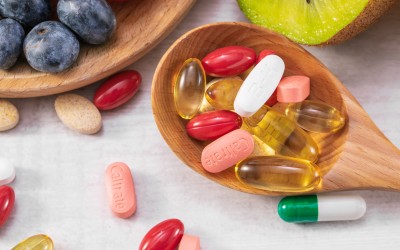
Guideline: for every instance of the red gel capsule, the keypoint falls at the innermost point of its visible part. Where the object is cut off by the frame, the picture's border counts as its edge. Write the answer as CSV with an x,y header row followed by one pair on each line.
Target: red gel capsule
x,y
117,90
229,61
7,199
163,236
263,54
213,124
273,99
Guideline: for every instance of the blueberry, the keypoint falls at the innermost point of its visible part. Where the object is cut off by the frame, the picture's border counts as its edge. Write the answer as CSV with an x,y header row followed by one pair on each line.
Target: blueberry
x,y
11,38
28,12
51,47
93,20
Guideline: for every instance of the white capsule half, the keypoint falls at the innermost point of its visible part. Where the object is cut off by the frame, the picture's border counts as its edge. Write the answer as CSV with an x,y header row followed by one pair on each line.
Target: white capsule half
x,y
7,172
259,85
334,207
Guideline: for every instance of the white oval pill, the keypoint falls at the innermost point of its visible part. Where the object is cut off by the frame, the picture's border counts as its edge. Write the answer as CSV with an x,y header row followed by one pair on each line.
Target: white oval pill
x,y
9,116
259,85
7,172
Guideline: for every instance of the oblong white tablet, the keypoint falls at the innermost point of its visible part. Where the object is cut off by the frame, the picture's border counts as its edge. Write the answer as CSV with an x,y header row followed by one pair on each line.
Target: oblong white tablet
x,y
259,85
7,172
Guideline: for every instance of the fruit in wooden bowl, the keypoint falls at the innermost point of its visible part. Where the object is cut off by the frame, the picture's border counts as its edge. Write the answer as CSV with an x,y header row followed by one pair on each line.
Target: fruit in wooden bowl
x,y
357,157
140,27
315,22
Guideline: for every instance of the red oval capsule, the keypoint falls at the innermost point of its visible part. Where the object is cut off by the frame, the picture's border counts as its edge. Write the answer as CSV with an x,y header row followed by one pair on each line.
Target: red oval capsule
x,y
263,54
117,90
273,99
229,61
165,235
7,199
213,124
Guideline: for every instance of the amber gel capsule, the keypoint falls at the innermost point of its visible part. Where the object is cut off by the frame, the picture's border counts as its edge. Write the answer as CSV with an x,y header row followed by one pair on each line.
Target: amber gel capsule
x,y
189,88
36,242
316,116
282,134
278,173
221,92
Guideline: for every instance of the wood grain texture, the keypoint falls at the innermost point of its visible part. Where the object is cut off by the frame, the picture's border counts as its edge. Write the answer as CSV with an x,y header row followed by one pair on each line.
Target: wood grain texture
x,y
141,25
357,157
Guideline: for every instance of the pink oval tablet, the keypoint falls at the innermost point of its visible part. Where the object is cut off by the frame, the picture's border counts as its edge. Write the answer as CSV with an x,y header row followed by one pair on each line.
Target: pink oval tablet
x,y
227,150
120,190
293,89
189,242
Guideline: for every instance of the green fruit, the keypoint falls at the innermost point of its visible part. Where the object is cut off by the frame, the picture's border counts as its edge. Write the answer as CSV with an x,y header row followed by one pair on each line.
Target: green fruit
x,y
315,22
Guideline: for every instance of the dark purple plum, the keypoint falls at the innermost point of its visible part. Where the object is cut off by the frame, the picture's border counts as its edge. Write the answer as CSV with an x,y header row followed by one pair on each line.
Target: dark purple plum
x,y
51,47
92,20
11,39
28,12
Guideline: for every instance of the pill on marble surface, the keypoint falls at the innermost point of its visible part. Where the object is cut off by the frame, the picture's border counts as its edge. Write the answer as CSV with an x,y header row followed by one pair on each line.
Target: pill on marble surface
x,y
259,85
78,113
7,172
189,242
321,207
7,200
36,242
120,190
229,61
293,89
213,124
9,116
165,235
117,90
227,150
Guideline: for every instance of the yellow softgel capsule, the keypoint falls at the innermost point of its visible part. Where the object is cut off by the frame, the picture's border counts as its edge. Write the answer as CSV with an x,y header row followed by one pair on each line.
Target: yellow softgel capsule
x,y
281,134
278,173
221,92
189,88
316,116
36,242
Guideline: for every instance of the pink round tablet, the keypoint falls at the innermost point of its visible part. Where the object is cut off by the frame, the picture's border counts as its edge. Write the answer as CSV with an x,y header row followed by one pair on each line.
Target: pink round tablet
x,y
189,242
120,190
293,89
227,150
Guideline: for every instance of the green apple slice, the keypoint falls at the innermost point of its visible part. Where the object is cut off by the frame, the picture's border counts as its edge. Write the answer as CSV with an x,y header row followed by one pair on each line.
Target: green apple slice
x,y
304,21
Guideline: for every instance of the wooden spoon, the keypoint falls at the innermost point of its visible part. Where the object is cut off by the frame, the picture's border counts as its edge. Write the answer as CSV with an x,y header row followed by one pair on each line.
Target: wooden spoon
x,y
141,25
357,157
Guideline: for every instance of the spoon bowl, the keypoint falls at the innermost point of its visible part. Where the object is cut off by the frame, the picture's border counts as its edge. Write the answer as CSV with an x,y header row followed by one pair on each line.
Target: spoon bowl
x,y
358,156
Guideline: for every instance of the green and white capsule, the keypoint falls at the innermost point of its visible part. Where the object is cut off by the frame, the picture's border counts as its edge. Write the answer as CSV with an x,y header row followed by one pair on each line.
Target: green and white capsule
x,y
328,207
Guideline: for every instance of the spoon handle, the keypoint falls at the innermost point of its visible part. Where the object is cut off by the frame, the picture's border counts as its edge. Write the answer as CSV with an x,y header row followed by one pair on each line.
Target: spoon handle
x,y
368,159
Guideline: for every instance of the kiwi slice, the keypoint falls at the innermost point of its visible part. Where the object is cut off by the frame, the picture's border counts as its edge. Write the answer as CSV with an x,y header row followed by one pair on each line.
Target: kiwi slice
x,y
304,21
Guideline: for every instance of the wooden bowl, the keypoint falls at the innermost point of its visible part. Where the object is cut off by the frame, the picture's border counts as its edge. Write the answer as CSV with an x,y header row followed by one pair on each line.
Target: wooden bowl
x,y
141,25
357,157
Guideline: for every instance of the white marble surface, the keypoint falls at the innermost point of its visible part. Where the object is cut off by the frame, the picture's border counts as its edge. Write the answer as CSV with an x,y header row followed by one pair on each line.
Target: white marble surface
x,y
60,187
